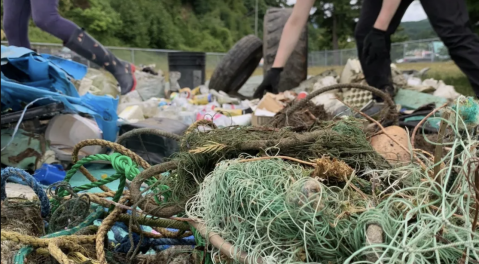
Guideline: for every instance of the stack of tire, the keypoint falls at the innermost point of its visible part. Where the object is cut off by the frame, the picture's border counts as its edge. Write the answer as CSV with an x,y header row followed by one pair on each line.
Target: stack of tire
x,y
242,60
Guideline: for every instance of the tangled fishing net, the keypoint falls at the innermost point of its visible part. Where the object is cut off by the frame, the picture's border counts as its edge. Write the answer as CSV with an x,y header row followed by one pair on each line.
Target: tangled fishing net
x,y
201,151
306,116
275,212
319,194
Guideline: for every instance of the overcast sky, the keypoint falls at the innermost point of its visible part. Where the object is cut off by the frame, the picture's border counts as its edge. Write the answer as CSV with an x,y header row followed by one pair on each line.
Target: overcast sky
x,y
415,12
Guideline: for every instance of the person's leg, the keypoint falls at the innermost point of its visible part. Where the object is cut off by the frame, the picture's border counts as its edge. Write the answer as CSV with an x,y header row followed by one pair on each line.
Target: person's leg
x,y
377,75
16,14
450,20
45,15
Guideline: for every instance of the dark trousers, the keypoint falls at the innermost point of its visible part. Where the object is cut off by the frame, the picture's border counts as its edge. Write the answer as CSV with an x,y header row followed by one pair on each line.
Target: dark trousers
x,y
450,20
16,15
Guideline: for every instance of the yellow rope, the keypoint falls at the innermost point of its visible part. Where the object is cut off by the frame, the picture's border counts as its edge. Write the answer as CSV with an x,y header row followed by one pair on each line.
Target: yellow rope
x,y
43,242
105,226
56,252
80,258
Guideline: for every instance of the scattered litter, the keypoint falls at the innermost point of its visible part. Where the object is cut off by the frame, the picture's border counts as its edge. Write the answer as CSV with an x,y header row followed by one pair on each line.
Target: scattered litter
x,y
194,175
49,174
98,82
65,131
266,109
413,99
150,83
393,145
132,114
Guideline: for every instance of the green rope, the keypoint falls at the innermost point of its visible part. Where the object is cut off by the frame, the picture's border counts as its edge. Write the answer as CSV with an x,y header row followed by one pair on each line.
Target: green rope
x,y
123,165
160,222
24,251
125,168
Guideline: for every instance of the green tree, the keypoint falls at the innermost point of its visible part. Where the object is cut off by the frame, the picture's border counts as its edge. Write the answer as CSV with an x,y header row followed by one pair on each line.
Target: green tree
x,y
338,20
400,35
100,19
134,26
473,8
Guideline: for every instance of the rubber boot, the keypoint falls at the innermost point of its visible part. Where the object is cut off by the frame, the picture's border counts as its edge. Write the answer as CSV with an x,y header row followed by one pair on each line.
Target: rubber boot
x,y
86,46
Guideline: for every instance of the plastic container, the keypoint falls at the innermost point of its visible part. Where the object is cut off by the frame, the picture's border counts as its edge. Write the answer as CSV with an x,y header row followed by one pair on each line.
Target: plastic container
x,y
188,118
132,113
191,65
242,120
50,174
186,93
65,131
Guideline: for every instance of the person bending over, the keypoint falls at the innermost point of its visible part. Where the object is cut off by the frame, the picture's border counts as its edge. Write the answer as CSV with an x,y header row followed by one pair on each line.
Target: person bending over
x,y
379,19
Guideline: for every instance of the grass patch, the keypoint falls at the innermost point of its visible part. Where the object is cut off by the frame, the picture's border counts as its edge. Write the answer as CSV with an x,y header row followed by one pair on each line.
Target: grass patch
x,y
37,35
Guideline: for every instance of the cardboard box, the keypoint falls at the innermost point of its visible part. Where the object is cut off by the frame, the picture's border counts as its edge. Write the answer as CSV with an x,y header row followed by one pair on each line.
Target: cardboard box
x,y
267,108
258,121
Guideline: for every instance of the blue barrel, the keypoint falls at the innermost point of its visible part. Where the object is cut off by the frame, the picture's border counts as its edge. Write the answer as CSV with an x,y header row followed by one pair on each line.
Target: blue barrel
x,y
191,65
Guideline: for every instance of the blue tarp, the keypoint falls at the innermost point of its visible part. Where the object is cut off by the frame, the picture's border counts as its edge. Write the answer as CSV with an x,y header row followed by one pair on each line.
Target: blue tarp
x,y
27,76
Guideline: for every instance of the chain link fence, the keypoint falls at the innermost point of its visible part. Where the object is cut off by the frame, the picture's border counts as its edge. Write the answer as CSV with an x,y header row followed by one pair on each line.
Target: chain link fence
x,y
428,50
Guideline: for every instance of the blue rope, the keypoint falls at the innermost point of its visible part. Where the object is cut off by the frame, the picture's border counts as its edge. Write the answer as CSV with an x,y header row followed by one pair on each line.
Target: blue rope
x,y
173,241
42,196
120,232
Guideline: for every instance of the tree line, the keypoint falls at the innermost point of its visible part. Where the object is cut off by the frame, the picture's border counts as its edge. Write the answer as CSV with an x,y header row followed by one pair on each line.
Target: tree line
x,y
211,25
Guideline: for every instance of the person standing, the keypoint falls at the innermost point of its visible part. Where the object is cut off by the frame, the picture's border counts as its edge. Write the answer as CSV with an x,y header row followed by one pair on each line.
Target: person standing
x,y
16,16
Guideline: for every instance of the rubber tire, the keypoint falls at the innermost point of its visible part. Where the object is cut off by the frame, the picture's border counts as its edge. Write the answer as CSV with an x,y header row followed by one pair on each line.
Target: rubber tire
x,y
296,68
237,65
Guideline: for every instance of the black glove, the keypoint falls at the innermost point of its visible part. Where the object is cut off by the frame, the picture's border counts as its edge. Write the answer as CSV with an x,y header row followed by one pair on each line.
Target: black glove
x,y
375,46
270,83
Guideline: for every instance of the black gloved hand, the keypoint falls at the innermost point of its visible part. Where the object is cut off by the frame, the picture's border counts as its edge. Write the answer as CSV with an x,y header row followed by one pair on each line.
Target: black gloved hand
x,y
375,46
270,83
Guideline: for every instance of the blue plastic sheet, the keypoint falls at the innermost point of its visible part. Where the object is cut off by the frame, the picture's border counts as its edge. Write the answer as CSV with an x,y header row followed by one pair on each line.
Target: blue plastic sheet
x,y
27,76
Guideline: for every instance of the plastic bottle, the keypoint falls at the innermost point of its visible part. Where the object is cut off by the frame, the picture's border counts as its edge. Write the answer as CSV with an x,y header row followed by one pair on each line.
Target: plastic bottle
x,y
202,99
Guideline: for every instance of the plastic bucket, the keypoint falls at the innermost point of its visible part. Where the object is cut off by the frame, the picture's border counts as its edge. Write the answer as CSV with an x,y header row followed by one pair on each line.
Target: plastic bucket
x,y
191,65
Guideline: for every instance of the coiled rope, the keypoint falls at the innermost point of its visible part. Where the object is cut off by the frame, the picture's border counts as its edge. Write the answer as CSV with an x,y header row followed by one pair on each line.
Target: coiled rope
x,y
42,196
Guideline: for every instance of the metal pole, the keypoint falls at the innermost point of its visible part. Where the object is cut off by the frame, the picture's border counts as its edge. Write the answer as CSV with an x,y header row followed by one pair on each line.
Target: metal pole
x,y
256,19
326,58
433,53
133,56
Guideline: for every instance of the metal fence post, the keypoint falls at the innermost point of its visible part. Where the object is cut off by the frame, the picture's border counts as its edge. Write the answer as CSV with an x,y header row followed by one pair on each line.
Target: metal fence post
x,y
433,52
132,56
325,58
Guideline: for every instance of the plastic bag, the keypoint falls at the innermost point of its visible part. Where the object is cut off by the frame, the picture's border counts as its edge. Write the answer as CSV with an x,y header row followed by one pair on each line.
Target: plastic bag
x,y
149,85
98,82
